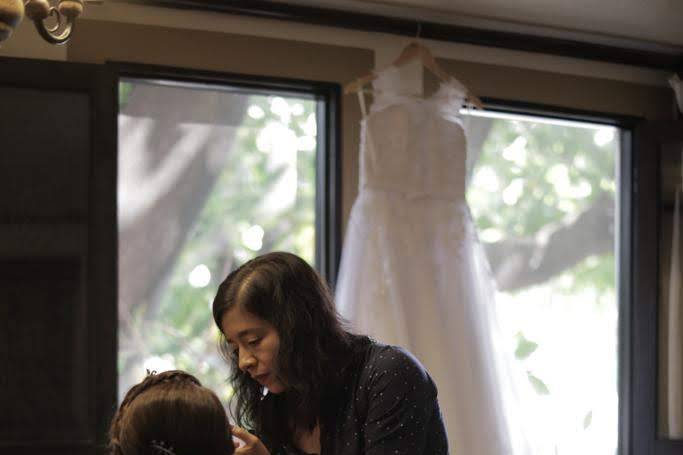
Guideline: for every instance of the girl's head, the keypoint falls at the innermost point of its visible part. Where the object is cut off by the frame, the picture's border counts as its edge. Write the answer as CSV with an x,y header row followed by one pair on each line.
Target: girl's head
x,y
280,330
170,412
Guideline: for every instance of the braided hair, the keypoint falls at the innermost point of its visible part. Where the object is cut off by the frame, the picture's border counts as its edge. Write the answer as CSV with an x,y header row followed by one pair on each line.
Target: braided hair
x,y
173,410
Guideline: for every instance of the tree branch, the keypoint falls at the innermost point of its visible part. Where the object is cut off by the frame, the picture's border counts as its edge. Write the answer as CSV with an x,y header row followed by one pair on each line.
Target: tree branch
x,y
520,262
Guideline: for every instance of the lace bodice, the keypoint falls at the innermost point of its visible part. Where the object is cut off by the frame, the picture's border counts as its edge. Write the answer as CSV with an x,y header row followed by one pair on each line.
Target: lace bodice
x,y
412,145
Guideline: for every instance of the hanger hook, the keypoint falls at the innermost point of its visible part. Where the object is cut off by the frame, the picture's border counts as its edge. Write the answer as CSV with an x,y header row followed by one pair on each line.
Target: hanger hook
x,y
419,29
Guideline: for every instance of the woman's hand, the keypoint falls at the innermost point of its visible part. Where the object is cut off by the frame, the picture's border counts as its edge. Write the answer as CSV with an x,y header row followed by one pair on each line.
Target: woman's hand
x,y
252,444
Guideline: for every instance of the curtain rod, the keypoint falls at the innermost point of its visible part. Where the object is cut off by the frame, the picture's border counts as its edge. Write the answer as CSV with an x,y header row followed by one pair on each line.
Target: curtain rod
x,y
672,62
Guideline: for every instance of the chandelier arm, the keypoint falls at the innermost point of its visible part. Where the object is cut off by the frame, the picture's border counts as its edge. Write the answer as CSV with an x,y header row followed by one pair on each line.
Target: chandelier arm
x,y
54,12
50,36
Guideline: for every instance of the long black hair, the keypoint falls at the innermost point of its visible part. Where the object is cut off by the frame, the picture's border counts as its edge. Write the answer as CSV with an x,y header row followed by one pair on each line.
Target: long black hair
x,y
284,290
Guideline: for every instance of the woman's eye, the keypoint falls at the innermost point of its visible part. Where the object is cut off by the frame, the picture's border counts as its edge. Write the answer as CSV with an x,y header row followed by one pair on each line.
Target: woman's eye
x,y
254,342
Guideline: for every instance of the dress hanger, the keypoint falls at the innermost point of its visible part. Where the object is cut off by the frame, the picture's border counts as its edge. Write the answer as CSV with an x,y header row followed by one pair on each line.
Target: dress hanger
x,y
414,50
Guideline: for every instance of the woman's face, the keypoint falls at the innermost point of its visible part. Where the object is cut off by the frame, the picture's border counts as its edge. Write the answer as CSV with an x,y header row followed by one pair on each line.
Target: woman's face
x,y
255,343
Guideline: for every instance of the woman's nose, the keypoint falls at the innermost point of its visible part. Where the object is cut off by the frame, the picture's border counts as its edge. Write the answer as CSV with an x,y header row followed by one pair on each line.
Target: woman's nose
x,y
246,360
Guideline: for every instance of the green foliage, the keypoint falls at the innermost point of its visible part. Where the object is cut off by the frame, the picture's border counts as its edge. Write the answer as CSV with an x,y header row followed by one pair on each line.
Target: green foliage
x,y
524,347
552,158
243,204
125,91
539,385
534,175
597,272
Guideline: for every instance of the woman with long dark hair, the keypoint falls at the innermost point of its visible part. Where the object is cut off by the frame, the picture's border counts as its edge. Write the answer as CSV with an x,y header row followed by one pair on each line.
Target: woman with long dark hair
x,y
304,383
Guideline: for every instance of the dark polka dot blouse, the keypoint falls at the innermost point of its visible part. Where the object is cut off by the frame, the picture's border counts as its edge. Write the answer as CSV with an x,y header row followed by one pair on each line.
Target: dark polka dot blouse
x,y
388,406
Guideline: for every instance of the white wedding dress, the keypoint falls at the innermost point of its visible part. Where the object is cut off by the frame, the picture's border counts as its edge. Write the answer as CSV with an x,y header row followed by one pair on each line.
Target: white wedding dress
x,y
413,273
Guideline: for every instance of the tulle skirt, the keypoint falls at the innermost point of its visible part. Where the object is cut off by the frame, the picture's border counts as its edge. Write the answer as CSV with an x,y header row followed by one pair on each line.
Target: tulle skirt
x,y
413,274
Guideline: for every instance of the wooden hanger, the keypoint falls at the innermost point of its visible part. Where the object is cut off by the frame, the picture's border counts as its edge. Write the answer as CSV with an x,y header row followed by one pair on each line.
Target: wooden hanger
x,y
413,51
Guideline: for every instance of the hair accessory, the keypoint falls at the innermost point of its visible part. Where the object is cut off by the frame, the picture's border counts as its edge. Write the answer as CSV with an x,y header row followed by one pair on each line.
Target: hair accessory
x,y
161,448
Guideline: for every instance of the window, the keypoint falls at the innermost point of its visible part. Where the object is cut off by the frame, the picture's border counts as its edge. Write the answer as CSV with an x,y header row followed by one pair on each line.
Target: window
x,y
543,193
210,176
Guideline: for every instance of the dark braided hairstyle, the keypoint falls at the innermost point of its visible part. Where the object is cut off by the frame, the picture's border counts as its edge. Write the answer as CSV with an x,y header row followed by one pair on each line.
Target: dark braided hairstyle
x,y
170,408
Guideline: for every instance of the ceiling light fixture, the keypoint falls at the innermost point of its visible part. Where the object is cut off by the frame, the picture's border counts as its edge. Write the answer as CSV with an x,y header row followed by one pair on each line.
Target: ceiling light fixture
x,y
41,12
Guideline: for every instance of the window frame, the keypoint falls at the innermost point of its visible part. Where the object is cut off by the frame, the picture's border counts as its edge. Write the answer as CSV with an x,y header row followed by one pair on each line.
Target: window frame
x,y
624,223
648,139
328,155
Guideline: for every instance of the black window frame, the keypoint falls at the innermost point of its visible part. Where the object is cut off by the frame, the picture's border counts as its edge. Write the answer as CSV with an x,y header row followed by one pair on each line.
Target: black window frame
x,y
328,153
648,139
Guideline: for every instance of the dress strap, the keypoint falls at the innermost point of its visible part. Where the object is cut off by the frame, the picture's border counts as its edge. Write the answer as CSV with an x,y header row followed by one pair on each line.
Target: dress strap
x,y
361,100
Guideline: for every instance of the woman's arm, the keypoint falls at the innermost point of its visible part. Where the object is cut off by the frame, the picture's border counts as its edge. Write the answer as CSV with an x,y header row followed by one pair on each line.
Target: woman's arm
x,y
403,412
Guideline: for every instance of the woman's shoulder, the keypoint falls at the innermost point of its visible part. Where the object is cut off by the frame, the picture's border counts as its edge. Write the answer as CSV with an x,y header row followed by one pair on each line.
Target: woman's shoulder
x,y
394,362
387,355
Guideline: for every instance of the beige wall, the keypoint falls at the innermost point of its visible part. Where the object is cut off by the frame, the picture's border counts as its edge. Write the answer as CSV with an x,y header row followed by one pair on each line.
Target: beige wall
x,y
563,90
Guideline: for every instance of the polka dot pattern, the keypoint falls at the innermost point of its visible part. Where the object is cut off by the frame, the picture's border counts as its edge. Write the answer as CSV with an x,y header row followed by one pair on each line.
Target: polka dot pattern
x,y
390,408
